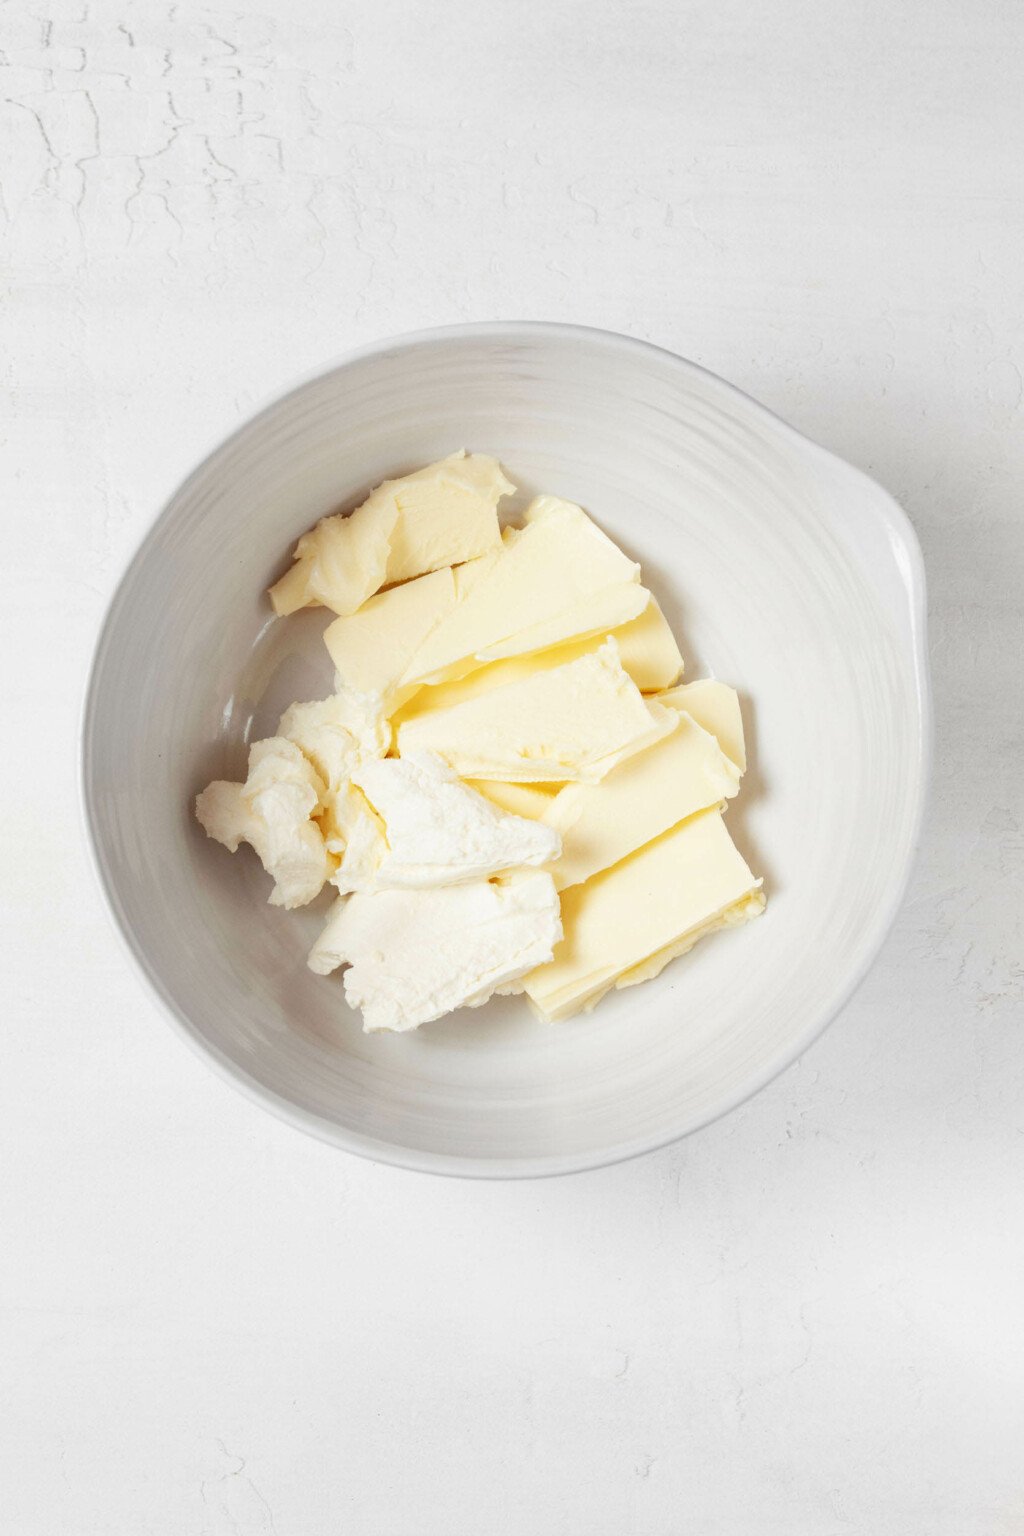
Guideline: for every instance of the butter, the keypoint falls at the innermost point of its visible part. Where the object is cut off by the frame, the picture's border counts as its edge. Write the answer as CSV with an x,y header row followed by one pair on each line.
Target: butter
x,y
573,722
643,797
716,707
556,578
372,647
414,955
647,651
530,800
273,811
435,831
594,614
625,924
440,515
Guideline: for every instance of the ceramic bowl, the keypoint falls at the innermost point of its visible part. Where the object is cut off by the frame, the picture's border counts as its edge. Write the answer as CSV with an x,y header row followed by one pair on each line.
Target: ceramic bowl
x,y
784,571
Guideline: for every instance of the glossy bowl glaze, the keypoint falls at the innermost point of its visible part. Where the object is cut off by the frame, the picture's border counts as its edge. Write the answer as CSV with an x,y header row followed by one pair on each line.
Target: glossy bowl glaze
x,y
784,571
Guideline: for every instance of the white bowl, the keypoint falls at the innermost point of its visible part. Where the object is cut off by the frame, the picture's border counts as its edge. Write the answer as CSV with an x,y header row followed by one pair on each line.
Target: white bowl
x,y
785,572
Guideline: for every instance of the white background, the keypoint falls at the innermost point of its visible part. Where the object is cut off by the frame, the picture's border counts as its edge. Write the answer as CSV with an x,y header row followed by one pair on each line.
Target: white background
x,y
805,1321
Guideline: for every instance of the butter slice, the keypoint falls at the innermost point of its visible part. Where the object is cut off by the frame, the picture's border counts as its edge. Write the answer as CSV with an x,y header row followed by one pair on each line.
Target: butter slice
x,y
372,647
716,707
643,797
570,723
647,651
556,578
440,515
626,924
596,614
530,800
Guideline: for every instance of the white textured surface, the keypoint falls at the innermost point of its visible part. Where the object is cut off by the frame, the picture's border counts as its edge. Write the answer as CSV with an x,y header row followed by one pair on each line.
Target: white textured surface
x,y
807,1318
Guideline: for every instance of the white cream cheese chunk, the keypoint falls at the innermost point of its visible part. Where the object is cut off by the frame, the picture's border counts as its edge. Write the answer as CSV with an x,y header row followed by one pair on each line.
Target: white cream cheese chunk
x,y
637,801
440,515
570,723
433,830
361,843
556,578
337,734
273,811
716,707
415,955
625,924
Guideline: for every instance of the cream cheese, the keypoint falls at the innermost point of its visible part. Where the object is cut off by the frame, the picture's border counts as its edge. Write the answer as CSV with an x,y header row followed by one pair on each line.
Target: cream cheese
x,y
413,955
430,829
273,811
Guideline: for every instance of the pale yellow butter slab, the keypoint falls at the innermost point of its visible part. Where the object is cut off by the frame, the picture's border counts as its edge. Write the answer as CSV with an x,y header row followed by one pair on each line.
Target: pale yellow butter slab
x,y
546,572
371,648
647,651
716,707
440,515
639,800
570,723
652,905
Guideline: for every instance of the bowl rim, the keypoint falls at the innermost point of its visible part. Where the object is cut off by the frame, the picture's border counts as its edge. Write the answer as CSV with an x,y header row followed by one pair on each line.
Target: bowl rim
x,y
413,1159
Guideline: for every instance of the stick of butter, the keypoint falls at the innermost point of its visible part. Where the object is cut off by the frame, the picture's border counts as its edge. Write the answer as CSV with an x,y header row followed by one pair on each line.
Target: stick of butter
x,y
637,801
572,722
716,707
556,578
372,647
625,924
647,651
530,800
441,515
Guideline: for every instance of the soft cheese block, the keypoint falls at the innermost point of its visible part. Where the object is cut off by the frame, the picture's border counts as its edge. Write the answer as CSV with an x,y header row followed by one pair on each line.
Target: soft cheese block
x,y
716,707
570,723
651,791
556,578
273,811
434,830
415,955
337,734
440,515
625,924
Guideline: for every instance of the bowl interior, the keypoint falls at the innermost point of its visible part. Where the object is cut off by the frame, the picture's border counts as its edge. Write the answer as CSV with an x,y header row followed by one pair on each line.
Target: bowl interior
x,y
784,572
